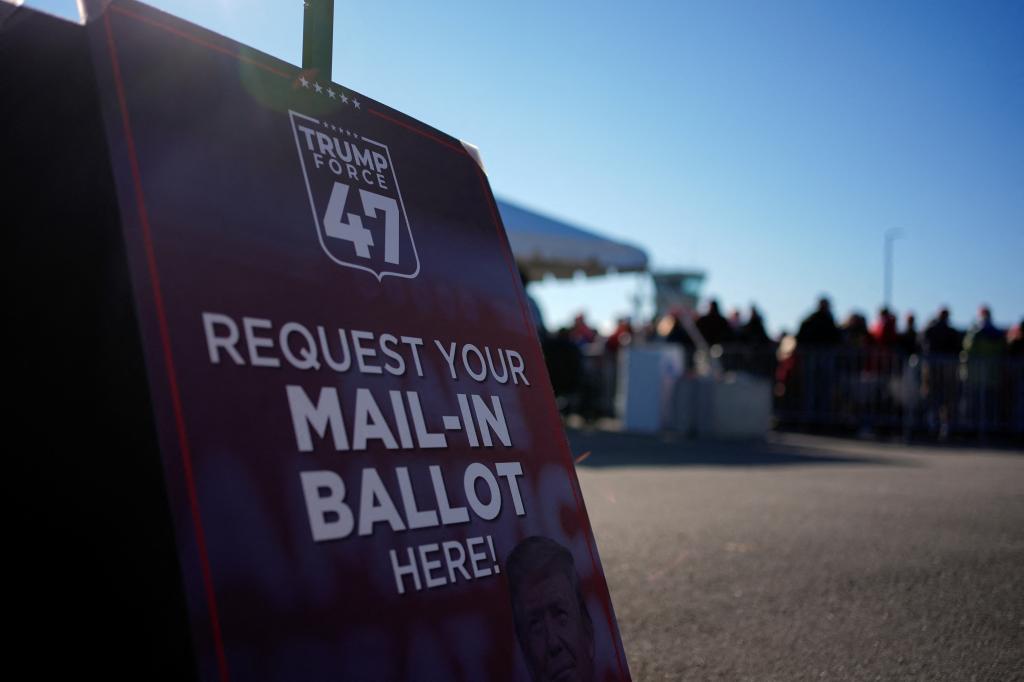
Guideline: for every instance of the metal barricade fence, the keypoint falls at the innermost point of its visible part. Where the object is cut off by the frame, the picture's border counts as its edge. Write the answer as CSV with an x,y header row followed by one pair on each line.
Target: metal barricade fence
x,y
876,389
844,389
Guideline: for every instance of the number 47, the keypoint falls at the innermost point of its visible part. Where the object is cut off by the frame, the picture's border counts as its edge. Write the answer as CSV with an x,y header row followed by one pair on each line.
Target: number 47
x,y
350,228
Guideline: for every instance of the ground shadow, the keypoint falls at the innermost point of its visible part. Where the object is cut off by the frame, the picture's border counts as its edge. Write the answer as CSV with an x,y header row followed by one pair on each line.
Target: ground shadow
x,y
620,449
961,440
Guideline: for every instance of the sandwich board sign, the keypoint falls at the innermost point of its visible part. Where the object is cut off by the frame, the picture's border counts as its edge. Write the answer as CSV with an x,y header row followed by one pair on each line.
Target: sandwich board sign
x,y
364,467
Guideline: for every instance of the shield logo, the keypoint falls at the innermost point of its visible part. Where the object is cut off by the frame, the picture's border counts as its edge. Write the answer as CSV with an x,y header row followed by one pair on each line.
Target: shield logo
x,y
357,205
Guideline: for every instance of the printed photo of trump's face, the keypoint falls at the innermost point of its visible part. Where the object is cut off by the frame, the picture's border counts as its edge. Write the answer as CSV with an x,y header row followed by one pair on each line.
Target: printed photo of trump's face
x,y
555,632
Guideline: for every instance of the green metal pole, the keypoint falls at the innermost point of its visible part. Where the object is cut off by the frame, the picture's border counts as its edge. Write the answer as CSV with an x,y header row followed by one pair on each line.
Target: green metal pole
x,y
318,36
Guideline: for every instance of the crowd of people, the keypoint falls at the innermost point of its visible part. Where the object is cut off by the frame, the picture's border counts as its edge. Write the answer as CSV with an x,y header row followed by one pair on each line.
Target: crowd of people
x,y
819,330
938,380
825,371
982,340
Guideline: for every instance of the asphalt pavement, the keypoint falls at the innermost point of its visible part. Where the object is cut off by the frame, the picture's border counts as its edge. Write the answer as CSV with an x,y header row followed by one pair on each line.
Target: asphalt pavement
x,y
805,557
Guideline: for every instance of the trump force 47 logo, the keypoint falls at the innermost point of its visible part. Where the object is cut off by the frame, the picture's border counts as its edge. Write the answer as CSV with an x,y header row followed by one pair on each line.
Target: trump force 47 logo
x,y
357,206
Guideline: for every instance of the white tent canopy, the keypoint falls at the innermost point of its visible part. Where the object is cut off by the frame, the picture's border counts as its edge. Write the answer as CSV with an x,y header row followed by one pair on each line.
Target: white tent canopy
x,y
545,246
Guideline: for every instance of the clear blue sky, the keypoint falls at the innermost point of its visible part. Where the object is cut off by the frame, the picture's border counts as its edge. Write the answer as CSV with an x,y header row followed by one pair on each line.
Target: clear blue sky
x,y
769,144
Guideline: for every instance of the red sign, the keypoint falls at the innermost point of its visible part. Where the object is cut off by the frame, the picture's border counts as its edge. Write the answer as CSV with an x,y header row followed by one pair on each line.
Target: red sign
x,y
367,472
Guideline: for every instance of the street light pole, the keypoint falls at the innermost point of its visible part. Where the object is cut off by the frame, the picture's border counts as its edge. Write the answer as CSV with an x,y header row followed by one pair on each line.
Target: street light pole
x,y
318,36
891,235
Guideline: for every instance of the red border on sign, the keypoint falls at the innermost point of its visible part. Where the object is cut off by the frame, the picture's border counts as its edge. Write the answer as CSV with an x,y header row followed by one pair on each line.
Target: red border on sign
x,y
164,329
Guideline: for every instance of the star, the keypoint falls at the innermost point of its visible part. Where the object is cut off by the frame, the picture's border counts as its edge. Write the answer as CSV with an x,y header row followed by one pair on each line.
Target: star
x,y
318,87
355,103
305,83
344,99
330,93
